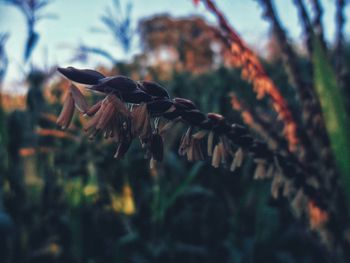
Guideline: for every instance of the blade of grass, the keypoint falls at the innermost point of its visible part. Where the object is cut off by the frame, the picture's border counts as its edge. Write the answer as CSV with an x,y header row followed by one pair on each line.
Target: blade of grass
x,y
333,108
181,188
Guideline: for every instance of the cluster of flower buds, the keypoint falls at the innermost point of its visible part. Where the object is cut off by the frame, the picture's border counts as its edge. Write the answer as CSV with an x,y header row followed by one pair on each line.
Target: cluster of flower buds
x,y
133,109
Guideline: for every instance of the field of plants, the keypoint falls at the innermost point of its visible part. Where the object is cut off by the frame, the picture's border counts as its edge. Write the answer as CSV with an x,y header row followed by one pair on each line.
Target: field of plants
x,y
194,147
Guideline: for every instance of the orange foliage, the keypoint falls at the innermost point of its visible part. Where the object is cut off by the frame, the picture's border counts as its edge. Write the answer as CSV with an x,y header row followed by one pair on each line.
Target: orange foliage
x,y
53,133
252,71
24,152
13,102
318,217
189,44
29,151
246,115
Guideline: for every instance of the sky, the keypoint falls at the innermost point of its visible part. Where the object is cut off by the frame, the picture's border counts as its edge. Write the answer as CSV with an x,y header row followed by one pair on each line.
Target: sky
x,y
76,18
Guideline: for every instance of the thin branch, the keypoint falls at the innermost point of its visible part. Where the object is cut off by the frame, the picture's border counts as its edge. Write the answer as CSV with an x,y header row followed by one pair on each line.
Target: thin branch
x,y
317,21
339,42
307,27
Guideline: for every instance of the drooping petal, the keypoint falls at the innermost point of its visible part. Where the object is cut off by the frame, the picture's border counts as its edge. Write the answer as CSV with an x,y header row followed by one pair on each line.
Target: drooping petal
x,y
260,170
185,142
138,118
67,112
94,108
198,154
106,116
210,143
79,99
215,161
119,105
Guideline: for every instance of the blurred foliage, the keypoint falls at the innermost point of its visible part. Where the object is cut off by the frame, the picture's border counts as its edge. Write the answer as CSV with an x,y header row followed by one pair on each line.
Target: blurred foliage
x,y
65,199
32,11
190,42
117,23
3,55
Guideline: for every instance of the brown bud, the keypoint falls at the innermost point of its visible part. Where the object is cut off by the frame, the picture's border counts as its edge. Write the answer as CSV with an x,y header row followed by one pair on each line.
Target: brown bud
x,y
184,104
119,84
84,76
159,106
215,117
172,115
136,97
193,117
153,89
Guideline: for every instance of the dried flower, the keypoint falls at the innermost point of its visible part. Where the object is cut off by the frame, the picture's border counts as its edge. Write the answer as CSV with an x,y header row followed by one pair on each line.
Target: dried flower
x,y
276,185
215,161
93,109
79,99
140,121
65,118
237,160
210,143
260,170
185,142
195,152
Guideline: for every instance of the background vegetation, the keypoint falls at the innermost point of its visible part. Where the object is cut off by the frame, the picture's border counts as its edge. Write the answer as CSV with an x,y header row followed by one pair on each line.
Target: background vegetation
x,y
64,198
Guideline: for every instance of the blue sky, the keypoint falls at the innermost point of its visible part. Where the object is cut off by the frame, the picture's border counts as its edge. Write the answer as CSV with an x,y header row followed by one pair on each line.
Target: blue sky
x,y
77,17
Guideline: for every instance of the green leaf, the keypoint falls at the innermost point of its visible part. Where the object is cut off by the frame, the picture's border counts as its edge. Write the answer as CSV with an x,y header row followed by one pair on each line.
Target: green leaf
x,y
181,188
333,108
